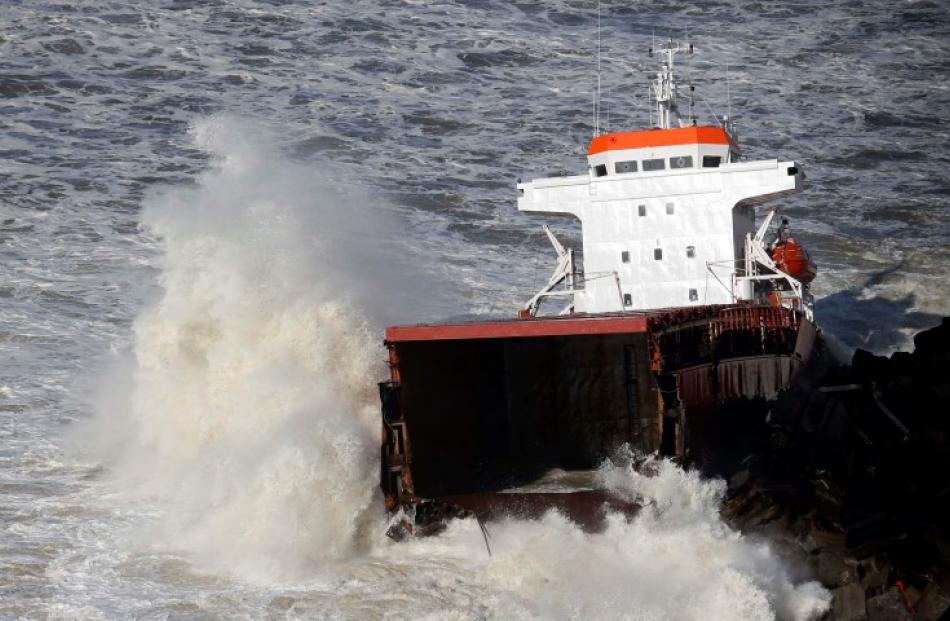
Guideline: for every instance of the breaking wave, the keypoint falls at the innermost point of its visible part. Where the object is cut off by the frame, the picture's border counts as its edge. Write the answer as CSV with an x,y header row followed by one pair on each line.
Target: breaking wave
x,y
249,419
249,416
675,560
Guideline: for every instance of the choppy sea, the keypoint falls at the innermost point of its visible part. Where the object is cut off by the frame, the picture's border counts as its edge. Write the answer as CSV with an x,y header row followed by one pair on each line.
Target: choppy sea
x,y
209,210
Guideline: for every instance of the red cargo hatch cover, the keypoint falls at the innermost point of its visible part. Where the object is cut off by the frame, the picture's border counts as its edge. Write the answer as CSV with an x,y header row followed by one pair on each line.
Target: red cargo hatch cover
x,y
549,326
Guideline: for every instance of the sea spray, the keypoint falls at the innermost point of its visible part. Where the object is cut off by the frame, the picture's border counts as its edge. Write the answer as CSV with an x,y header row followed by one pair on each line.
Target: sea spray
x,y
675,560
249,416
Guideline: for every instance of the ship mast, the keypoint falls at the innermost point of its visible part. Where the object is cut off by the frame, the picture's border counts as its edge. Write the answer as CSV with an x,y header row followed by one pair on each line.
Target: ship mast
x,y
664,90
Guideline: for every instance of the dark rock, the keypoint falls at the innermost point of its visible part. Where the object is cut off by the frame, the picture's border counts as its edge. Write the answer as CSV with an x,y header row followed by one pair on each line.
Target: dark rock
x,y
834,570
876,576
869,367
913,595
857,466
739,480
934,341
827,538
889,606
903,363
934,604
847,603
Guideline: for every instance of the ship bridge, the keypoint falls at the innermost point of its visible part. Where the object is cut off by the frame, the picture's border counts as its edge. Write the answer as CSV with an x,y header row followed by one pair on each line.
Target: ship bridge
x,y
654,150
665,212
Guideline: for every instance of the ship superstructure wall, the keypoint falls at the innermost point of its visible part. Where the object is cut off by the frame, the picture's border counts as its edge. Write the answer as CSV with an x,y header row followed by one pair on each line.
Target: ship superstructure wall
x,y
655,240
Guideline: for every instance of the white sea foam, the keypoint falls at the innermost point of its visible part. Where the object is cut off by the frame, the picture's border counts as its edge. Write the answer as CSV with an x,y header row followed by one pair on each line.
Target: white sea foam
x,y
675,560
250,412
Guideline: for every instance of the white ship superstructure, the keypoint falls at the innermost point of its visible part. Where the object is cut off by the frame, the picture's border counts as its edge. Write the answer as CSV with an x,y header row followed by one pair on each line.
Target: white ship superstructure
x,y
667,216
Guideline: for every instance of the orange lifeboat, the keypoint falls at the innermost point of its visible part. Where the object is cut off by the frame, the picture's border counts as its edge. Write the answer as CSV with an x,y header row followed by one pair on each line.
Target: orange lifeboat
x,y
791,258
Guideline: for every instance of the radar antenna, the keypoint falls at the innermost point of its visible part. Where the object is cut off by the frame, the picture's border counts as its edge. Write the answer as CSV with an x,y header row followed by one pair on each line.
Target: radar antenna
x,y
664,91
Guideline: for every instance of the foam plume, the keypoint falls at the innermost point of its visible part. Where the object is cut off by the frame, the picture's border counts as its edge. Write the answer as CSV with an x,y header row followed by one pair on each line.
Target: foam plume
x,y
675,560
251,413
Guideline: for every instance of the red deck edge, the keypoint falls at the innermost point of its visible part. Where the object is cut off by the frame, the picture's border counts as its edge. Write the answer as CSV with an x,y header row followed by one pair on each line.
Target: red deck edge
x,y
518,328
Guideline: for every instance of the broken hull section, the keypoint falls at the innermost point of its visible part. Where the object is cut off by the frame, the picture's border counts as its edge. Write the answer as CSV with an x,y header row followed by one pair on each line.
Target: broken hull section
x,y
473,412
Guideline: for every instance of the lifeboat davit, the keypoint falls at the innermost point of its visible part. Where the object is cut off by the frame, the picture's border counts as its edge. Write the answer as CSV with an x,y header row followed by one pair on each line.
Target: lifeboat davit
x,y
791,258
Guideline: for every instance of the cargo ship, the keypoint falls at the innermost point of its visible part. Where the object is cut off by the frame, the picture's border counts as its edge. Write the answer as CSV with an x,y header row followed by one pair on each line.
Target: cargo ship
x,y
686,317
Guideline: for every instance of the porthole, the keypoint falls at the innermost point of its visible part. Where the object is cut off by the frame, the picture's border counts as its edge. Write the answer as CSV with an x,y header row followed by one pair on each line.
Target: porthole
x,y
693,295
627,299
657,254
642,210
625,257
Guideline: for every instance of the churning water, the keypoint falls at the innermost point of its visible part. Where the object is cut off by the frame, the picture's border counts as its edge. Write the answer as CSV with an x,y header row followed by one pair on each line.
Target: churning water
x,y
210,211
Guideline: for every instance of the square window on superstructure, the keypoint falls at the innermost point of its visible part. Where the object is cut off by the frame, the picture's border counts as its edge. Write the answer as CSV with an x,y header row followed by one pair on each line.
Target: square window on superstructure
x,y
657,164
683,161
711,161
690,252
627,299
600,170
626,167
657,254
669,208
642,210
693,295
625,257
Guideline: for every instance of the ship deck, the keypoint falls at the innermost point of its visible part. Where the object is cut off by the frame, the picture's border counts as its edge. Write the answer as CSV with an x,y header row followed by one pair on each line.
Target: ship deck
x,y
579,324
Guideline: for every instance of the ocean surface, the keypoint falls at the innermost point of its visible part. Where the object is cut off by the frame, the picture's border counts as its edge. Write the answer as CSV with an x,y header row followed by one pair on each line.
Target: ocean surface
x,y
210,210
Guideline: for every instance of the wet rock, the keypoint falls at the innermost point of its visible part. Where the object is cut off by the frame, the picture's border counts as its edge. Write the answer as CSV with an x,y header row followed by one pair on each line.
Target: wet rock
x,y
847,603
867,366
857,466
835,570
889,606
913,596
934,604
934,342
824,538
739,480
875,576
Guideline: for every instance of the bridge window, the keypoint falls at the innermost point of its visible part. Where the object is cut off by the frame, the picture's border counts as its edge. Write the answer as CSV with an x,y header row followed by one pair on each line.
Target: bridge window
x,y
626,167
657,254
683,161
600,170
625,257
690,252
642,210
658,164
627,299
711,161
693,295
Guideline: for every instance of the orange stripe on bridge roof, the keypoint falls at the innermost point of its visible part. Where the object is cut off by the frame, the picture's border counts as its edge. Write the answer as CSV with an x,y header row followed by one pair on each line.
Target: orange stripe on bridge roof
x,y
705,134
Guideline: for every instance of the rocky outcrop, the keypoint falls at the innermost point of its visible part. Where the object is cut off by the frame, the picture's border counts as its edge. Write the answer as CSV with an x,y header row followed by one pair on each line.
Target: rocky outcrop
x,y
854,481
